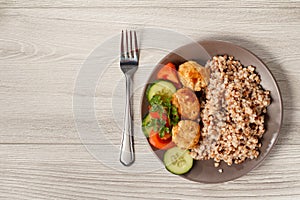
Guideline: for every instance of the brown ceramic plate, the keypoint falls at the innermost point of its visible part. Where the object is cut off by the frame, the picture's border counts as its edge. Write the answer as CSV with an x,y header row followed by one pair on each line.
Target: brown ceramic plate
x,y
204,171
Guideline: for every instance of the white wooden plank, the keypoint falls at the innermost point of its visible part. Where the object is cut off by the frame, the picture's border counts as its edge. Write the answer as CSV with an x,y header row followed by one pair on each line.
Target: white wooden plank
x,y
153,4
37,172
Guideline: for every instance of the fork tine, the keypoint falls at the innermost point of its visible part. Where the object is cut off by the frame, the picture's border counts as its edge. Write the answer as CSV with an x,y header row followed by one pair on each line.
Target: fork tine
x,y
135,49
127,46
122,44
130,41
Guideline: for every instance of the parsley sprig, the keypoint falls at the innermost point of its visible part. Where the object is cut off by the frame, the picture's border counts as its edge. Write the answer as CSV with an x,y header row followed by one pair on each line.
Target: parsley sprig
x,y
162,105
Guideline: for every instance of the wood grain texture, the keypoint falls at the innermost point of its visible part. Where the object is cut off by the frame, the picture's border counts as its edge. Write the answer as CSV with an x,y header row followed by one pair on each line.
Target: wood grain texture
x,y
43,45
38,172
152,4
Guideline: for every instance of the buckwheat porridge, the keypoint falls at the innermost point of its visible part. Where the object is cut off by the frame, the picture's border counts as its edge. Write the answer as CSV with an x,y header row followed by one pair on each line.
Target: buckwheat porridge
x,y
232,113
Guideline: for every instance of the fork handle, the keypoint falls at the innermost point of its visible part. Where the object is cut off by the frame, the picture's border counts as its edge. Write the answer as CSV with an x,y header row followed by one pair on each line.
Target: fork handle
x,y
127,151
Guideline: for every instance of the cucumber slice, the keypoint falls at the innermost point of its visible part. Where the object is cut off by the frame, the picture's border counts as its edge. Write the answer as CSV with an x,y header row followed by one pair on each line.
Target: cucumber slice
x,y
146,129
163,88
178,161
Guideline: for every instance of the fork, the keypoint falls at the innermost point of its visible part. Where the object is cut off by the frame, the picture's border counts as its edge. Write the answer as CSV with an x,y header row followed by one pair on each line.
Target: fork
x,y
129,61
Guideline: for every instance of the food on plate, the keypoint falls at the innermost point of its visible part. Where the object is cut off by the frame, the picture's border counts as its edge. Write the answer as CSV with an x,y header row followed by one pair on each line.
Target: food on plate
x,y
161,88
193,75
187,104
178,161
162,114
157,123
223,122
164,142
186,134
146,129
233,115
169,72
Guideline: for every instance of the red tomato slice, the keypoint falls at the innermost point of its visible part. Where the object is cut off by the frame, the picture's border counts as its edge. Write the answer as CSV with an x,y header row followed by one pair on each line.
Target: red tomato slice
x,y
167,136
156,115
169,72
158,142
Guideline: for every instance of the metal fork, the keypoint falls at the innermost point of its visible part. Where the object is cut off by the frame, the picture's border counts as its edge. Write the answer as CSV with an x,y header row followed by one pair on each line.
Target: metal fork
x,y
129,61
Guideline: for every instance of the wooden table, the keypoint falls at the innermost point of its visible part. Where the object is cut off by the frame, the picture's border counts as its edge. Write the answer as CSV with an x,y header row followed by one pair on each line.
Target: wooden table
x,y
43,45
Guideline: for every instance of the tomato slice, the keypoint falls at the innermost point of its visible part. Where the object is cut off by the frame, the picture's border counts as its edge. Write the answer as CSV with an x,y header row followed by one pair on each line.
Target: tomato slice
x,y
167,136
169,72
160,143
156,115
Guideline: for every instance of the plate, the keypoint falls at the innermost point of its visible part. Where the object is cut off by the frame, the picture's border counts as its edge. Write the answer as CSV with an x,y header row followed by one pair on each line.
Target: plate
x,y
204,171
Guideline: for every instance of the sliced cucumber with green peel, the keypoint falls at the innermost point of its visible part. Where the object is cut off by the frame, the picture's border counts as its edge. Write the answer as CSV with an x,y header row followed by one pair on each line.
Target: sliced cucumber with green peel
x,y
146,129
178,161
162,88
